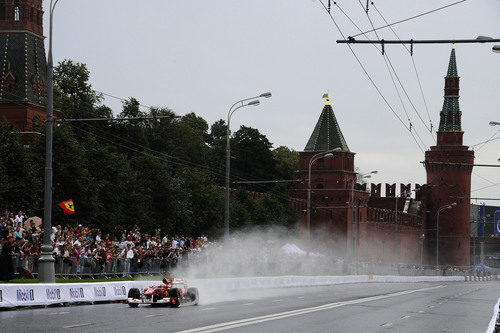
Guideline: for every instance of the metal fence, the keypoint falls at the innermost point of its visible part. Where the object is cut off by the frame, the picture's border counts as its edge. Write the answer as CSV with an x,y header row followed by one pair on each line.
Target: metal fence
x,y
90,267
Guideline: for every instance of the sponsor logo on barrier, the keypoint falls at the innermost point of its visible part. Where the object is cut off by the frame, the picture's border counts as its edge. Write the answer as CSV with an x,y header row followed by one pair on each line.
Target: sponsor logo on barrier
x,y
100,291
53,294
120,291
76,293
25,295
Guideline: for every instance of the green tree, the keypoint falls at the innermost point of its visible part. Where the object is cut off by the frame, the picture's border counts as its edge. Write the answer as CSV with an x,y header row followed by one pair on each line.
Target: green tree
x,y
19,187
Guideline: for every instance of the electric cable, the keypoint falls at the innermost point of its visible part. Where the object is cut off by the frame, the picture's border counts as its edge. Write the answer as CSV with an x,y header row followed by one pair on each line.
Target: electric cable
x,y
414,67
366,72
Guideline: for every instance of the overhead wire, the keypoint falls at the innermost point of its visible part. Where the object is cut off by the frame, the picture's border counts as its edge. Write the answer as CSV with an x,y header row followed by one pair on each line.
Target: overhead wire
x,y
274,193
430,129
485,142
413,17
378,90
367,74
179,161
121,99
397,77
393,82
414,66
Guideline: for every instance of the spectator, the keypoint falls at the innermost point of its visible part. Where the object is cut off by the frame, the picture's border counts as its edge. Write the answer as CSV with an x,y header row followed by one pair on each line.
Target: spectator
x,y
18,234
18,219
6,265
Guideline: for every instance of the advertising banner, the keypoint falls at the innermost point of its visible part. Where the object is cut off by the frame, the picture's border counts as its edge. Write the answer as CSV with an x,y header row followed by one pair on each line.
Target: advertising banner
x,y
496,222
60,293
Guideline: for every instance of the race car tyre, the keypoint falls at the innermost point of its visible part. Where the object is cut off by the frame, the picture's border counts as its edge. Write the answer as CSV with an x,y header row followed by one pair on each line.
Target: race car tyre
x,y
134,293
175,294
193,295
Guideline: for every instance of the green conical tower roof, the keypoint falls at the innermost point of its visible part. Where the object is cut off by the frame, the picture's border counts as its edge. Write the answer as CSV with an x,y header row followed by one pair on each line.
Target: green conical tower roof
x,y
450,116
327,134
452,65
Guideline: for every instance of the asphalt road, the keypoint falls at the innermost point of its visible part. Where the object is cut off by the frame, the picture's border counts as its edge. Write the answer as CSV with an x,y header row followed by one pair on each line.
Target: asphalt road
x,y
368,307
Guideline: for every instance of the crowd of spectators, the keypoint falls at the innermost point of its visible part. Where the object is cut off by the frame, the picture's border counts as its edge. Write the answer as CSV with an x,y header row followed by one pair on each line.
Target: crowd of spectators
x,y
79,245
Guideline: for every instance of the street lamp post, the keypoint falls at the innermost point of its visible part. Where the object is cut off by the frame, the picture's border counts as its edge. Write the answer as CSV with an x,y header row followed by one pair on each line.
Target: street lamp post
x,y
228,150
353,182
46,271
421,243
437,229
323,154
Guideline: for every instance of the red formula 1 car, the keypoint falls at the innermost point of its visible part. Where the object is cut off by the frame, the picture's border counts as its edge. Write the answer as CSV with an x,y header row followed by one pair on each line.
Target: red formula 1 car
x,y
173,292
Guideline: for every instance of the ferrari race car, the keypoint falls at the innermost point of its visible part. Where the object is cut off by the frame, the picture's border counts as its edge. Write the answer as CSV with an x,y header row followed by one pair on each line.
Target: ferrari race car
x,y
173,292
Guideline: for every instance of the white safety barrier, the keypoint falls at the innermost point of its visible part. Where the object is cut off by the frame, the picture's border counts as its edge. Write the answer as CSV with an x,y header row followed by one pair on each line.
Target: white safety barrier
x,y
308,281
12,295
493,321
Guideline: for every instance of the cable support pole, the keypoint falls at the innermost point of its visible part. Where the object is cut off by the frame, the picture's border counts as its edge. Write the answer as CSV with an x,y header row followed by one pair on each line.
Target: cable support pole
x,y
351,40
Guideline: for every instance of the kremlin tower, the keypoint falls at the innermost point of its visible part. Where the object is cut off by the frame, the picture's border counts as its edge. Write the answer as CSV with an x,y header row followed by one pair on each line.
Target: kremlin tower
x,y
449,166
22,64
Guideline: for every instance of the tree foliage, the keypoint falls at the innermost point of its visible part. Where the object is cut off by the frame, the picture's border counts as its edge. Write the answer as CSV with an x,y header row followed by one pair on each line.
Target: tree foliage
x,y
166,172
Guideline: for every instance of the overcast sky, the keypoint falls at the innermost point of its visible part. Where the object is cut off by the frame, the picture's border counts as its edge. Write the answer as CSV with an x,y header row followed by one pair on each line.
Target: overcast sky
x,y
202,56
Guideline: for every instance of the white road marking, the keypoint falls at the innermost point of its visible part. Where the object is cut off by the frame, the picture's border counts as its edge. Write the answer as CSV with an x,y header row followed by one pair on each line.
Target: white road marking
x,y
301,297
404,317
57,313
78,325
421,311
277,300
248,304
205,309
153,315
281,315
430,306
386,325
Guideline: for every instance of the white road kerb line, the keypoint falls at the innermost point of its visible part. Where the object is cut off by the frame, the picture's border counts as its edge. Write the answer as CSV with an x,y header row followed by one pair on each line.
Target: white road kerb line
x,y
78,325
256,320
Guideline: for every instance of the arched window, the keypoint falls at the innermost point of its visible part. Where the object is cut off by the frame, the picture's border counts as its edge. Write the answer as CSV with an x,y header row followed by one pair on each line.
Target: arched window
x,y
32,14
17,11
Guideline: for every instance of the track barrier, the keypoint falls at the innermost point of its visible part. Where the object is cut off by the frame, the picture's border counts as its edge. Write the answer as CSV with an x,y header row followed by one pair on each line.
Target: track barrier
x,y
37,294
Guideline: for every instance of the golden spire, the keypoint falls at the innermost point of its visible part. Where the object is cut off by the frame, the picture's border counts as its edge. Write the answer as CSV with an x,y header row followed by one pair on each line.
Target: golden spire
x,y
453,45
327,99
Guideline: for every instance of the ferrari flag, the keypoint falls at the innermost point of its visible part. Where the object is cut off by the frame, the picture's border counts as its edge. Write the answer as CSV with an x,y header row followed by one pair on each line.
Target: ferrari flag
x,y
67,206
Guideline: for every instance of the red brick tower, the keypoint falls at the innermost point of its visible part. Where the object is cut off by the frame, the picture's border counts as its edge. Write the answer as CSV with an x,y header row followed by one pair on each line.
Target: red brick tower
x,y
449,165
22,63
332,182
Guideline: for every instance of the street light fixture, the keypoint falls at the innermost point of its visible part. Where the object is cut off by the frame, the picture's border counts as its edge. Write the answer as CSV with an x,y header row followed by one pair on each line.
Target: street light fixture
x,y
327,154
46,270
496,48
253,102
437,229
494,123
